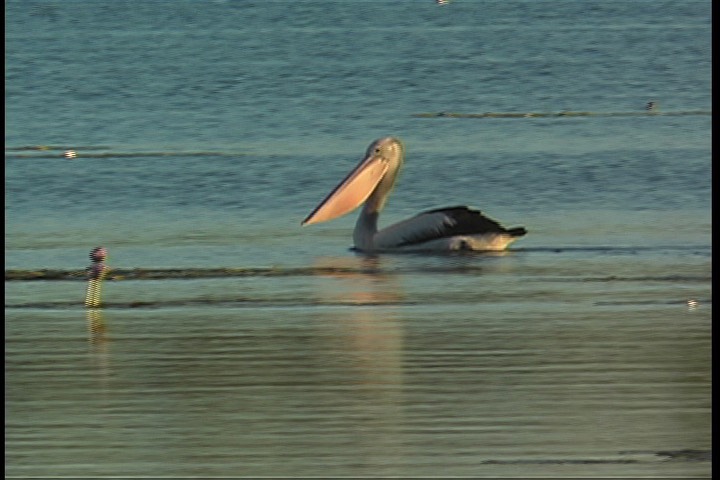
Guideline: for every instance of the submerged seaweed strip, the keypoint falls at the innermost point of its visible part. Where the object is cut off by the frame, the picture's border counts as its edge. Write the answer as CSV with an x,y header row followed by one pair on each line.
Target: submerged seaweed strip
x,y
197,273
175,273
232,302
285,302
44,148
558,114
159,154
101,151
81,154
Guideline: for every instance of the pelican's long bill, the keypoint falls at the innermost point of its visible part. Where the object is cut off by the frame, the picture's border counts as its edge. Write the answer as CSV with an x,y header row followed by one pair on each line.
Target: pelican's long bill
x,y
352,191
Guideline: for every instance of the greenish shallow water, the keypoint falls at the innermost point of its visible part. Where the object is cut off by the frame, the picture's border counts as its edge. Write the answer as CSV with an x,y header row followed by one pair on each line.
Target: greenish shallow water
x,y
492,373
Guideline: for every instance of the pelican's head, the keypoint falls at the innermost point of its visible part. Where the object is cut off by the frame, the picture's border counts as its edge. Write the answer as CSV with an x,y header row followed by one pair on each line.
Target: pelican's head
x,y
376,171
389,148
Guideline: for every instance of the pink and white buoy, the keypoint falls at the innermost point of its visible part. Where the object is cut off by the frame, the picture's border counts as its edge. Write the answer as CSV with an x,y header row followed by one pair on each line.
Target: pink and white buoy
x,y
96,272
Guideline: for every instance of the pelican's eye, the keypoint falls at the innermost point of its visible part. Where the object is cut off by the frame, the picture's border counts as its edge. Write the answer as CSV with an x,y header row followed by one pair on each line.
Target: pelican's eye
x,y
381,156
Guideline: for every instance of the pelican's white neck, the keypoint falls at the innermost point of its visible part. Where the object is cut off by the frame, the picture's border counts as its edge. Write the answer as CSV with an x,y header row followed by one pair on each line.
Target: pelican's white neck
x,y
367,223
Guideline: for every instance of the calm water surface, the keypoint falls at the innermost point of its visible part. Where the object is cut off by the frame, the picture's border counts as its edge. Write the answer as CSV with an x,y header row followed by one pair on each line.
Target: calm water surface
x,y
205,135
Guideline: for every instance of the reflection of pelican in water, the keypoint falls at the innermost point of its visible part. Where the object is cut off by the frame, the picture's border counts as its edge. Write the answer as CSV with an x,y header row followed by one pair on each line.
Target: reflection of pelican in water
x,y
368,325
361,331
452,228
360,281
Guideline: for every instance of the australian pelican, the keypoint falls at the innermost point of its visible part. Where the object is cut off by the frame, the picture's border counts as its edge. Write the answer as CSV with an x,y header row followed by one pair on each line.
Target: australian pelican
x,y
451,228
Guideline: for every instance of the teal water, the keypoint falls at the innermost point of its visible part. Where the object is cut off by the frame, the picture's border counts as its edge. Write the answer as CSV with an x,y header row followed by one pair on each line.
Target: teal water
x,y
205,134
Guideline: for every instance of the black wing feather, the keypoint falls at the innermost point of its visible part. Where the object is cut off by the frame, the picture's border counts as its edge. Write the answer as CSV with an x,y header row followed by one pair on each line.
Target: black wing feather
x,y
464,221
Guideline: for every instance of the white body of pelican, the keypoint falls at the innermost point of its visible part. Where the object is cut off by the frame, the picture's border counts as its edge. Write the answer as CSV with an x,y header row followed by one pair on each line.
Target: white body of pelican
x,y
443,229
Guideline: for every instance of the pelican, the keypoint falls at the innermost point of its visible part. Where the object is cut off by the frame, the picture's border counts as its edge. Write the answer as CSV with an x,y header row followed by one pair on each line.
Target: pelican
x,y
443,229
